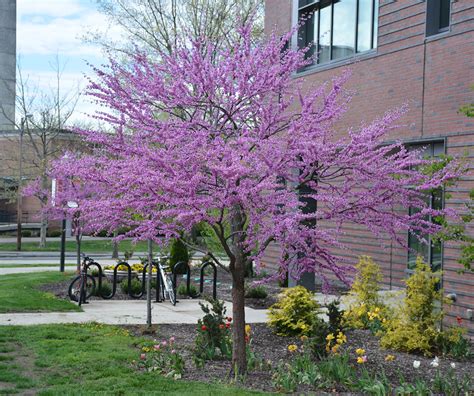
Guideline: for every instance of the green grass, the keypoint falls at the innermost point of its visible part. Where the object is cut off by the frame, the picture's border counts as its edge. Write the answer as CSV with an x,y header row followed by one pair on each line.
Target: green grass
x,y
97,246
19,293
83,360
22,265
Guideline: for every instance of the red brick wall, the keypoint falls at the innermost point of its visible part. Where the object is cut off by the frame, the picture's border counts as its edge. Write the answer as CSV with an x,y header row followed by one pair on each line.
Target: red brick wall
x,y
434,76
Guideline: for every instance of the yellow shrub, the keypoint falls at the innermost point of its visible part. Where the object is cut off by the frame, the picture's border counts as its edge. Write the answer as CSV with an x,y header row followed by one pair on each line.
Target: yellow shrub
x,y
415,326
366,310
295,313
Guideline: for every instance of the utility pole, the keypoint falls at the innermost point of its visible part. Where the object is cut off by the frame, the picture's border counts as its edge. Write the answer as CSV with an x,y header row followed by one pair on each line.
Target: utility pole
x,y
19,210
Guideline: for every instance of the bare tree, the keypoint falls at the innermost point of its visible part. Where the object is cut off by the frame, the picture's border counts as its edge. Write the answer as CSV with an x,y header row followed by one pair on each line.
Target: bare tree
x,y
42,117
157,25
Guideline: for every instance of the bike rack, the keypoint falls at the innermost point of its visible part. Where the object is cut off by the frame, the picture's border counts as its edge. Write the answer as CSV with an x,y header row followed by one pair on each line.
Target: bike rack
x,y
158,286
175,269
214,278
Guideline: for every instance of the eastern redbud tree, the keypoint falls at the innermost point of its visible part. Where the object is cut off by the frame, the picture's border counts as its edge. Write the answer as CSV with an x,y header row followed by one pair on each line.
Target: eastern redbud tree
x,y
227,137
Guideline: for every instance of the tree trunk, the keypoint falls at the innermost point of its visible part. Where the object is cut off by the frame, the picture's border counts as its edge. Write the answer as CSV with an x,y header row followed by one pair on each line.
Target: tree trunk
x,y
43,230
239,355
44,218
78,250
148,283
115,251
237,268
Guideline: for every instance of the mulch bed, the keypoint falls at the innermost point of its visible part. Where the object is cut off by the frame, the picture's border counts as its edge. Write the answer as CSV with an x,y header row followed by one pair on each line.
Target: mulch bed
x,y
273,348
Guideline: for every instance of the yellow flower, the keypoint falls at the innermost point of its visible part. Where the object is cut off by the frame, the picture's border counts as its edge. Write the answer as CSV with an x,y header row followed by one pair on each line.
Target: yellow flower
x,y
292,347
361,359
341,338
330,337
335,348
360,351
303,338
248,330
389,358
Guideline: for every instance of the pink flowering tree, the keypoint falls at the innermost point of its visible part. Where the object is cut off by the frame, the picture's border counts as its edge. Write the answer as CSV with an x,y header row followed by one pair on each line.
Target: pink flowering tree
x,y
233,140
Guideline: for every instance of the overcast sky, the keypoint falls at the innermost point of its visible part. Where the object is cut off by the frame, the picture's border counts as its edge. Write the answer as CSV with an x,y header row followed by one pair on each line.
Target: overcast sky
x,y
46,28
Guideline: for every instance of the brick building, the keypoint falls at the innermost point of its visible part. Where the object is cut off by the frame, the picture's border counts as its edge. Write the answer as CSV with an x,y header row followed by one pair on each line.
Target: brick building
x,y
415,51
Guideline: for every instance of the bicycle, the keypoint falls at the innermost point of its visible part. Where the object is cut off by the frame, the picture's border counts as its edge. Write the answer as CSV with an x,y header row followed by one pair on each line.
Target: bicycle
x,y
166,282
82,286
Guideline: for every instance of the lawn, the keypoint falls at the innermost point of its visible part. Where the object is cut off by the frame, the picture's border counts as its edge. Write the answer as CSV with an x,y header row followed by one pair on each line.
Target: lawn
x,y
19,293
89,246
84,359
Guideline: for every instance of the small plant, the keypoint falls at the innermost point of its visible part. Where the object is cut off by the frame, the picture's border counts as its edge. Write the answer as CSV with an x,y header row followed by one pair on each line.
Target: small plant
x,y
336,316
178,253
128,254
213,338
296,313
366,310
183,290
135,286
449,384
452,342
415,326
163,358
257,292
105,290
302,370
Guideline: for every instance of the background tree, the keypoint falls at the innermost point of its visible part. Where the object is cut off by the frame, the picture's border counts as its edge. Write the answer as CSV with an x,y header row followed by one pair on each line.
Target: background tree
x,y
45,133
156,26
233,140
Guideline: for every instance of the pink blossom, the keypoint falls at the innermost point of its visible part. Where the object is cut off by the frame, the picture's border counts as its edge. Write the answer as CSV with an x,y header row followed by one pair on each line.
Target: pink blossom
x,y
157,346
143,356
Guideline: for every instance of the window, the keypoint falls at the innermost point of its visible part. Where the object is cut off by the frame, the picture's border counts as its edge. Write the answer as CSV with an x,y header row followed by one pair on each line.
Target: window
x,y
432,251
337,29
437,16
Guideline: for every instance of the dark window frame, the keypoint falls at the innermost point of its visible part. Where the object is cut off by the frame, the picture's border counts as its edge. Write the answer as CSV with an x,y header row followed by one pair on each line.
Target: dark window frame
x,y
308,6
411,256
434,9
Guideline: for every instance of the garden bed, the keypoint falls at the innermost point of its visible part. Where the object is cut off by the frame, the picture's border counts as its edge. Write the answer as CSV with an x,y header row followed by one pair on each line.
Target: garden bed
x,y
274,349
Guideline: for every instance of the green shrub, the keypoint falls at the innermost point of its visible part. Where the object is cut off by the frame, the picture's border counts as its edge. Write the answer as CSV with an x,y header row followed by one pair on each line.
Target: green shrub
x,y
183,291
54,234
296,313
105,289
26,233
213,333
135,286
415,326
366,310
178,253
336,316
256,292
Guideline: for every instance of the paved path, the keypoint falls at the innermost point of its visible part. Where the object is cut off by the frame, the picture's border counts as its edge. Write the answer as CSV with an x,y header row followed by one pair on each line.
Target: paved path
x,y
125,312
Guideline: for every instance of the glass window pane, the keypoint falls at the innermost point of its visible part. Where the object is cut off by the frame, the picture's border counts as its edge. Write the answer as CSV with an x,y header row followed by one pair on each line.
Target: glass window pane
x,y
325,34
308,33
364,28
436,256
343,40
444,13
376,23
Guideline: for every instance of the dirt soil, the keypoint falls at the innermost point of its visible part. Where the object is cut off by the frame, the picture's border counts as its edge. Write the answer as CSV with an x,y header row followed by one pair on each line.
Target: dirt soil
x,y
273,349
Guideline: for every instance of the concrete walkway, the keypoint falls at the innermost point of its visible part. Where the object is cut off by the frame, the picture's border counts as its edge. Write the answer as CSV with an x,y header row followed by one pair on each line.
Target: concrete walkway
x,y
126,312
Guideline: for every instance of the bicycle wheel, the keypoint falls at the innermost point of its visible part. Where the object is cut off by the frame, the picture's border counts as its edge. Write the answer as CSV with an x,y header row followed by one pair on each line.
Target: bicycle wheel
x,y
170,289
74,290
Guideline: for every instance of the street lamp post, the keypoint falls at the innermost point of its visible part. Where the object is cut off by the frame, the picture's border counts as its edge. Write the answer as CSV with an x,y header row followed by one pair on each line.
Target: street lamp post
x,y
20,177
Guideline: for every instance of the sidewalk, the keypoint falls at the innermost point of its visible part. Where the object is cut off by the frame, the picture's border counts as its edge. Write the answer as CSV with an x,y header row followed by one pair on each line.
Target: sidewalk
x,y
126,312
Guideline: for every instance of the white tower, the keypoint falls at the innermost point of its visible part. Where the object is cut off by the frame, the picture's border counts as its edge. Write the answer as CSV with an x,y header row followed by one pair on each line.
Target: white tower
x,y
7,63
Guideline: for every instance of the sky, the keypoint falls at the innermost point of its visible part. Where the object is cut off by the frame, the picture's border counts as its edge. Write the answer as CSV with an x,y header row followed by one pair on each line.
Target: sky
x,y
53,29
